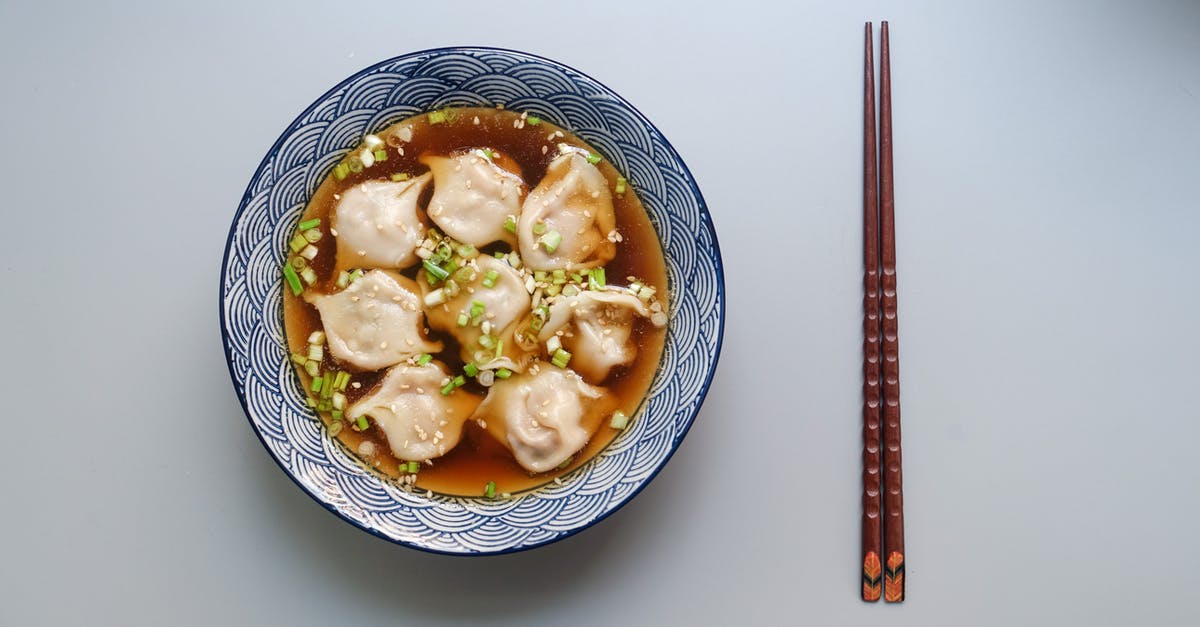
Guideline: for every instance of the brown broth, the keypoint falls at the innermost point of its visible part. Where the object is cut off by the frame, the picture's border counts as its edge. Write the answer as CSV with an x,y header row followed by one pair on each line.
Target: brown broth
x,y
479,458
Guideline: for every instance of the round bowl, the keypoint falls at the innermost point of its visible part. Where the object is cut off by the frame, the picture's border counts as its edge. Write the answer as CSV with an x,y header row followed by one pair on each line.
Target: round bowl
x,y
252,298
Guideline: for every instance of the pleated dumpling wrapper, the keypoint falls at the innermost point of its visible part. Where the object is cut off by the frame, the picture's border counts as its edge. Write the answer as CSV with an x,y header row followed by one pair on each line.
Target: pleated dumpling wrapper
x,y
377,224
473,197
375,322
543,418
419,421
597,326
567,221
487,313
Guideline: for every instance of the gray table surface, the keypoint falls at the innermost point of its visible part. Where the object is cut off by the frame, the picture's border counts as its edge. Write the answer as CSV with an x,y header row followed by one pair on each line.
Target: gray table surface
x,y
1046,168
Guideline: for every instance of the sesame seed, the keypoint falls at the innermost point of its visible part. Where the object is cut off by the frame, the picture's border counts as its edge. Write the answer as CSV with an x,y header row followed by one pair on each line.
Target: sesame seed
x,y
382,345
476,121
333,232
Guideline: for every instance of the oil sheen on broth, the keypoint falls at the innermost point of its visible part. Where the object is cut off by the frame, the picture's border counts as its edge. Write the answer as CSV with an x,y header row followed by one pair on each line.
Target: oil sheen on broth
x,y
581,307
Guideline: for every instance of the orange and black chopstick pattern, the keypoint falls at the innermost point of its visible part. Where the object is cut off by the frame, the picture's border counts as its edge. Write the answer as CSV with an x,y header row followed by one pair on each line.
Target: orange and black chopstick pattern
x,y
881,349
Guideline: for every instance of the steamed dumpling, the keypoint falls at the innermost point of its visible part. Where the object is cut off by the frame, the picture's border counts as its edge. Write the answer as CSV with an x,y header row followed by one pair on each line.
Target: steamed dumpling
x,y
375,322
419,421
544,418
596,327
377,225
573,204
472,197
503,304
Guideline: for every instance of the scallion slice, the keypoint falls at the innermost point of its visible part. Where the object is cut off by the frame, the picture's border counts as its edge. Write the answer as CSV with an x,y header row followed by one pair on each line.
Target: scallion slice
x,y
356,164
470,369
476,308
559,276
462,319
596,279
436,297
551,240
293,281
413,467
299,359
489,279
459,381
487,341
621,185
539,228
380,154
466,251
489,490
533,120
316,337
336,426
503,373
510,224
570,290
309,275
316,352
341,171
313,368
324,405
317,382
339,400
561,358
356,275
400,176
619,420
297,243
593,158
434,272
308,224
553,344
437,117
343,279
424,359
448,388
362,423
312,236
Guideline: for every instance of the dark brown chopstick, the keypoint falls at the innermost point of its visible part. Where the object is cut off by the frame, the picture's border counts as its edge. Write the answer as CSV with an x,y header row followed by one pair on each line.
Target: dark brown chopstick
x,y
893,498
872,525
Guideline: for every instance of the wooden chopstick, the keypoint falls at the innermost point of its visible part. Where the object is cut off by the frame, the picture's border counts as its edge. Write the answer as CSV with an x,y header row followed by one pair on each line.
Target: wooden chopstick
x,y
872,525
893,499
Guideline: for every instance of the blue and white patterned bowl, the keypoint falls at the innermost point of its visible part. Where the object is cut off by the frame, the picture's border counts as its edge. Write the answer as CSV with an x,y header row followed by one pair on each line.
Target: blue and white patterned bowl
x,y
252,301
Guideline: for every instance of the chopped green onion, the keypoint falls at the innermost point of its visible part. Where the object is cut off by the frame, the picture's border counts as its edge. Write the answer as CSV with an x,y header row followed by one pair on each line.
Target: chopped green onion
x,y
341,380
561,358
341,171
299,359
356,275
553,344
400,176
380,155
413,467
503,373
316,337
451,288
293,281
424,359
313,368
596,279
339,399
489,279
539,275
448,388
466,274
499,347
621,185
298,243
458,381
336,426
536,324
308,275
309,253
551,240
510,224
619,420
462,319
324,405
566,462
593,158
487,153
362,423
542,311
578,278
533,120
570,290
489,490
308,224
437,117
316,352
356,164
553,290
476,308
337,414
343,279
487,341
466,251
313,235
539,228
471,369
308,400
434,272
299,263
317,382
559,276
436,297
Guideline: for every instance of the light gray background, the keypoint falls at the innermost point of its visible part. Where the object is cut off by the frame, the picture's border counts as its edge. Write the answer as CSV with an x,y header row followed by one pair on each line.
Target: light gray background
x,y
1047,169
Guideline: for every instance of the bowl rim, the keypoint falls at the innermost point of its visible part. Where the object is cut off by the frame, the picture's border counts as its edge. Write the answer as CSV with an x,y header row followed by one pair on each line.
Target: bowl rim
x,y
707,224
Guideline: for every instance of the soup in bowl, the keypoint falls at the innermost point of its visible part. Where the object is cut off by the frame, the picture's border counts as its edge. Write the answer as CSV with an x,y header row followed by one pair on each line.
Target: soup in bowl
x,y
472,301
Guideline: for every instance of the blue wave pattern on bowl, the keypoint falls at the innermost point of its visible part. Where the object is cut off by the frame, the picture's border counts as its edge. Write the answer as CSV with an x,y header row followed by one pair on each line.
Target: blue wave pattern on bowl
x,y
251,293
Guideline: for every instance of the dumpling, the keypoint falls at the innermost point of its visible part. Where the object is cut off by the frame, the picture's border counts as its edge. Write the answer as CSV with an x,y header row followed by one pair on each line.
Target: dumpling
x,y
375,322
377,225
419,421
597,326
499,307
472,198
543,418
567,219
